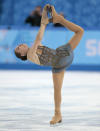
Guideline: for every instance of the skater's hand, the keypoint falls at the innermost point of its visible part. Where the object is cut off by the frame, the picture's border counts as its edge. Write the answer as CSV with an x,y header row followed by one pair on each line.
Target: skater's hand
x,y
44,19
47,6
55,16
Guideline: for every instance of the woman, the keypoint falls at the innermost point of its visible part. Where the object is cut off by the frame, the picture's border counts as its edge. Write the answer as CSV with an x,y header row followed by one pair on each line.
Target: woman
x,y
59,59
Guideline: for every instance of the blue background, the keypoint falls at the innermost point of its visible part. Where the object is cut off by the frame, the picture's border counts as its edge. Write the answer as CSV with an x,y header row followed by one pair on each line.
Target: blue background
x,y
87,53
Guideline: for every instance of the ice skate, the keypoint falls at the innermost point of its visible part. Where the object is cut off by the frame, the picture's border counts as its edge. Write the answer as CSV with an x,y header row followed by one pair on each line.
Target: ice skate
x,y
56,119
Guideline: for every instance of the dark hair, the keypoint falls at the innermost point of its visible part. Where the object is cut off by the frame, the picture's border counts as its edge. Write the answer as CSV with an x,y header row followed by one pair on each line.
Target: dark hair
x,y
18,55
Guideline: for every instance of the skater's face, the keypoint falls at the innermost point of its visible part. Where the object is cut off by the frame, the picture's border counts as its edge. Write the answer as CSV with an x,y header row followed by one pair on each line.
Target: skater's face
x,y
22,49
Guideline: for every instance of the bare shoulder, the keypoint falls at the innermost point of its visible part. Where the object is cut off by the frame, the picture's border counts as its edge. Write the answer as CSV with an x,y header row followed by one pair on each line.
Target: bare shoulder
x,y
32,56
32,50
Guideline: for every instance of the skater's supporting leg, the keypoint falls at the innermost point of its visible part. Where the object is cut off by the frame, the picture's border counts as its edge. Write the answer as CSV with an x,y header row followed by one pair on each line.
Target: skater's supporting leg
x,y
58,81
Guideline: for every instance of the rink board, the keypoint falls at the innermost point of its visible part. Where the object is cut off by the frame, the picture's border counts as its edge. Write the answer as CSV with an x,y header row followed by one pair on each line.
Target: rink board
x,y
86,55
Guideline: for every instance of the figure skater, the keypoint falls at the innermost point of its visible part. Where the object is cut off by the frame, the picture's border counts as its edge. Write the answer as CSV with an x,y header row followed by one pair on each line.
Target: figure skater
x,y
59,59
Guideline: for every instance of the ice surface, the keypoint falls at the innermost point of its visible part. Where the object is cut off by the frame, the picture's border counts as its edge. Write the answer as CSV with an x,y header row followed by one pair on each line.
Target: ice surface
x,y
26,101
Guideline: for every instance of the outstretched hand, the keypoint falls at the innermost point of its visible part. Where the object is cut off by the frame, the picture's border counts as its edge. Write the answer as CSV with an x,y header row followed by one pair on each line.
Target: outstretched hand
x,y
44,19
55,15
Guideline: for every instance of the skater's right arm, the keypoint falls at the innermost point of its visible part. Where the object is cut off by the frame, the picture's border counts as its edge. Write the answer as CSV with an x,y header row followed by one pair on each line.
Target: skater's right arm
x,y
39,36
74,41
44,22
31,55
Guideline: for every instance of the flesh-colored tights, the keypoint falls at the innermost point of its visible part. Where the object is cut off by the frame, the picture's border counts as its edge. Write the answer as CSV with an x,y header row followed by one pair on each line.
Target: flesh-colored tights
x,y
57,81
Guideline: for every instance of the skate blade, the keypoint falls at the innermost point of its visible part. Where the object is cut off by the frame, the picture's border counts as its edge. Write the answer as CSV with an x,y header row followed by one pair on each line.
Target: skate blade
x,y
59,121
56,124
